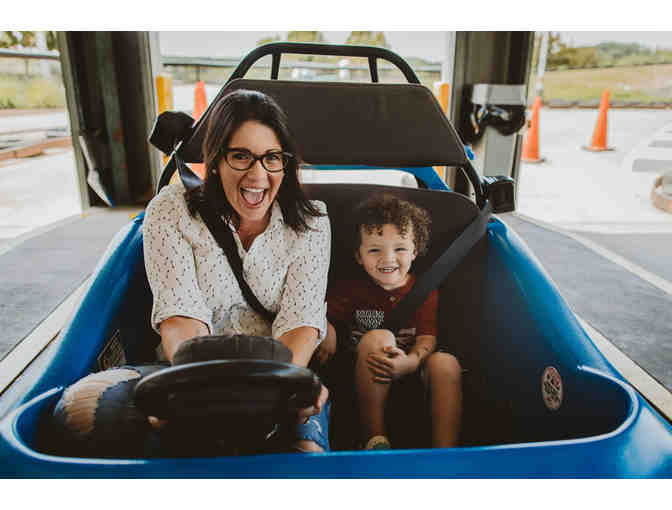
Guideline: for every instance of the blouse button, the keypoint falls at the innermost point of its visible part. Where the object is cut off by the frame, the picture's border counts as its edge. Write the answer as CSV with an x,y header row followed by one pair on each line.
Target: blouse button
x,y
392,298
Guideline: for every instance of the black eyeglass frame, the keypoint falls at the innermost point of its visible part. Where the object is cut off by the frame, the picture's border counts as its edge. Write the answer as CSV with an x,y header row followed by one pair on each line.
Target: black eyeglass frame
x,y
286,156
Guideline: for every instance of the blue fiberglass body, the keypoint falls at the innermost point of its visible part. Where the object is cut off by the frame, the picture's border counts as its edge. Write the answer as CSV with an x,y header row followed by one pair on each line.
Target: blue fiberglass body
x,y
534,327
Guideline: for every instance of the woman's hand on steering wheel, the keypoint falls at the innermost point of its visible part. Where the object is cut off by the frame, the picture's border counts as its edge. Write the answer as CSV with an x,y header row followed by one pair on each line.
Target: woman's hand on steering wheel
x,y
326,349
304,414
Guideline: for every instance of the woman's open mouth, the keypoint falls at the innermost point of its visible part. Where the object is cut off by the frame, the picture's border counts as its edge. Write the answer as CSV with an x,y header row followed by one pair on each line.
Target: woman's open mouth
x,y
253,196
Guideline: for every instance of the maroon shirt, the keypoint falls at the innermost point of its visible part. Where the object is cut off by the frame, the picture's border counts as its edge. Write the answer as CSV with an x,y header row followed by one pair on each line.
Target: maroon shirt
x,y
364,304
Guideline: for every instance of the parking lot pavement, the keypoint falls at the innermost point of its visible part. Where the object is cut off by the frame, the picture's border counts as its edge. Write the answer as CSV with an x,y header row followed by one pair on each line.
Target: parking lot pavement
x,y
630,311
46,119
36,192
652,252
43,270
590,191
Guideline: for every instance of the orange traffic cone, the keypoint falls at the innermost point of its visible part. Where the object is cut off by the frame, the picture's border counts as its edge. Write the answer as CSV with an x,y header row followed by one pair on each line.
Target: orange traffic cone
x,y
531,142
164,93
442,93
200,101
599,140
200,104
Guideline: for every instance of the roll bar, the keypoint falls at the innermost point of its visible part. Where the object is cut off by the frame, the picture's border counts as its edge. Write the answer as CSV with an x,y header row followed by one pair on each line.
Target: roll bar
x,y
372,53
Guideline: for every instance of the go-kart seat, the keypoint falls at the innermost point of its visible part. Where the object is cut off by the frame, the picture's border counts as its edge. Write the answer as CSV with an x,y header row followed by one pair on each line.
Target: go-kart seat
x,y
460,298
450,212
459,295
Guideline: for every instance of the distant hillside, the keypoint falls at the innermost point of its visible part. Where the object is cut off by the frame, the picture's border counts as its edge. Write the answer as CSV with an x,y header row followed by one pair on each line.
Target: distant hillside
x,y
607,54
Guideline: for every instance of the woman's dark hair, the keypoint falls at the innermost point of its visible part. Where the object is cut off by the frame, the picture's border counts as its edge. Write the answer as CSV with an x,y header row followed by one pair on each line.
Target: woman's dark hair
x,y
230,112
386,209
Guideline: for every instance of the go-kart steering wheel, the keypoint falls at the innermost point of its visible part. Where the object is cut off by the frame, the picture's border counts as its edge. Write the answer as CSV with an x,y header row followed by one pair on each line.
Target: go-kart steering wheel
x,y
223,388
227,388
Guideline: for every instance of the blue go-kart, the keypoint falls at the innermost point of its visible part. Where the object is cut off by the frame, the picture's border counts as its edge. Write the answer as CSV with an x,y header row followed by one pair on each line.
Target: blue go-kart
x,y
540,400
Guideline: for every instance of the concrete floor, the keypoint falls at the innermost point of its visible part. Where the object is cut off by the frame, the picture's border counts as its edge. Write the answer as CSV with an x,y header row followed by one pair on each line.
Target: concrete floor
x,y
40,272
36,192
627,309
587,191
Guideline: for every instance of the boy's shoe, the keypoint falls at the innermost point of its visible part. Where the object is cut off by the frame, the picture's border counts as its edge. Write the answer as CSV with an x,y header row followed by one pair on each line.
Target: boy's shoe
x,y
378,443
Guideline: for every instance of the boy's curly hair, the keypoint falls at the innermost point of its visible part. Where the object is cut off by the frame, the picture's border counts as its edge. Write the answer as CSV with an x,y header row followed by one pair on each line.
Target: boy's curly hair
x,y
383,209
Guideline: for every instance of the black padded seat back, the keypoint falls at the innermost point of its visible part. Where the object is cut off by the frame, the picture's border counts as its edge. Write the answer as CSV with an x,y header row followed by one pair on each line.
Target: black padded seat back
x,y
450,213
353,123
460,312
459,294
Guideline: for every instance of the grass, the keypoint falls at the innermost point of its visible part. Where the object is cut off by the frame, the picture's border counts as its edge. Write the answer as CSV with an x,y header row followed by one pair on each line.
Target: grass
x,y
640,84
33,92
643,84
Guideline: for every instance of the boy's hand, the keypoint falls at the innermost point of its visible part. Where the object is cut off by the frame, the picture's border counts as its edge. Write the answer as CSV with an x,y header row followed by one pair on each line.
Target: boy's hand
x,y
391,364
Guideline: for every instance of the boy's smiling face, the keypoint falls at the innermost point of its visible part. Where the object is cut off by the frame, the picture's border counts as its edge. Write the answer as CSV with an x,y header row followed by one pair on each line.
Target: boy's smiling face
x,y
387,256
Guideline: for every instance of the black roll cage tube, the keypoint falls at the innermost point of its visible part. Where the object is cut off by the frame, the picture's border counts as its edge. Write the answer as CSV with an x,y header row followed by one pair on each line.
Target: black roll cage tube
x,y
372,53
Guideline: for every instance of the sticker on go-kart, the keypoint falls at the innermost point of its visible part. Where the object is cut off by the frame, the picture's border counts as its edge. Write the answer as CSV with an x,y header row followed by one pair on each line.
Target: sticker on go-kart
x,y
551,388
112,354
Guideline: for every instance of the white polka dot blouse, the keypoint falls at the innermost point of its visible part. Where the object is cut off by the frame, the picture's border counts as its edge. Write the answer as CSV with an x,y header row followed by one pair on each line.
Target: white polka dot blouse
x,y
190,276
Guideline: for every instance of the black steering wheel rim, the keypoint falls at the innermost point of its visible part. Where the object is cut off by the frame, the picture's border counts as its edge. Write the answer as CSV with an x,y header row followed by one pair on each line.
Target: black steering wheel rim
x,y
226,389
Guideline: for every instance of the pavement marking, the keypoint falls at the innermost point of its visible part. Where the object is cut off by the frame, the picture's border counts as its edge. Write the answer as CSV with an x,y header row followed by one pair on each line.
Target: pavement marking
x,y
652,390
645,275
615,227
16,361
652,154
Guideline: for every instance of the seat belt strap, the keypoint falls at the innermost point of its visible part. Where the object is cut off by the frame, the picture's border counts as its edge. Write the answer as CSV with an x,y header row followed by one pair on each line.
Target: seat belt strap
x,y
222,234
441,268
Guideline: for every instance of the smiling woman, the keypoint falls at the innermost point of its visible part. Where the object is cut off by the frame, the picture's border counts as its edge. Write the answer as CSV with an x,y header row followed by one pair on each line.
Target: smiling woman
x,y
278,253
282,239
250,125
248,183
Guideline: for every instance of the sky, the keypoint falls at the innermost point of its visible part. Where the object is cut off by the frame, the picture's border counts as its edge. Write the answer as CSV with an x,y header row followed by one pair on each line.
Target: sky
x,y
430,45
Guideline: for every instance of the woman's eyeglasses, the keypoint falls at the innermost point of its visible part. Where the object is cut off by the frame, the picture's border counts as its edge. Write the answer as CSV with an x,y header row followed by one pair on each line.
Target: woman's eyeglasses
x,y
242,160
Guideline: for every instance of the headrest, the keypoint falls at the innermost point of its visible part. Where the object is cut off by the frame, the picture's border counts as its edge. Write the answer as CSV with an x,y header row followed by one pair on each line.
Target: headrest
x,y
377,124
451,213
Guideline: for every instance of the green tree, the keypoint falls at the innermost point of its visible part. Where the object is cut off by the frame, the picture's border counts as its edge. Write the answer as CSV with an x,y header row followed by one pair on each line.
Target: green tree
x,y
556,48
367,38
562,56
52,42
617,50
306,36
26,39
8,39
267,40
